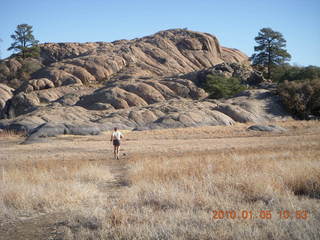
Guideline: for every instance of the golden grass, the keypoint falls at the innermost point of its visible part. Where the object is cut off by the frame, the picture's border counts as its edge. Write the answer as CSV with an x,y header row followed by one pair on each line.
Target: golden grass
x,y
239,129
173,197
31,187
11,133
178,177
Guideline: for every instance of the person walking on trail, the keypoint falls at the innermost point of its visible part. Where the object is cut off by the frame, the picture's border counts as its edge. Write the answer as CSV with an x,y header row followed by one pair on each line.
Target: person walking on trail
x,y
115,138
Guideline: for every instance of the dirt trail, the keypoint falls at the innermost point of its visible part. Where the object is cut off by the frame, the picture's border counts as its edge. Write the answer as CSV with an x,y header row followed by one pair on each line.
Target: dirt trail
x,y
118,169
46,226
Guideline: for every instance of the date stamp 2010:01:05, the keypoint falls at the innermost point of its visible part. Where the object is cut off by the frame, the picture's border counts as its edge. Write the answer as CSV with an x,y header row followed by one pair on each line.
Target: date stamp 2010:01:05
x,y
262,214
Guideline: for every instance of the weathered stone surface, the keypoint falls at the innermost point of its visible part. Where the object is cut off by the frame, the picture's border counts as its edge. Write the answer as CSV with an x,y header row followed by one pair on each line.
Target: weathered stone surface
x,y
35,84
168,114
141,93
236,112
250,106
267,128
183,113
54,129
165,53
115,97
23,103
22,125
258,106
145,83
5,94
58,77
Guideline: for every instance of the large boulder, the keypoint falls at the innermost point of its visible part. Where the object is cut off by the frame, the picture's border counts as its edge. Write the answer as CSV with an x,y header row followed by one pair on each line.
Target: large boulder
x,y
35,84
54,129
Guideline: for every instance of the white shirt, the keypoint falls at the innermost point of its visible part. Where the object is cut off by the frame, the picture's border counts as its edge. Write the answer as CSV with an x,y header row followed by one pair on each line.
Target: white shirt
x,y
117,135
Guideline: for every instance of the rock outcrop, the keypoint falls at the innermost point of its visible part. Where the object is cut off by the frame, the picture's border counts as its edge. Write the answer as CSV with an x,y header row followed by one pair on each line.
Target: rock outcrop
x,y
166,53
140,93
145,83
258,106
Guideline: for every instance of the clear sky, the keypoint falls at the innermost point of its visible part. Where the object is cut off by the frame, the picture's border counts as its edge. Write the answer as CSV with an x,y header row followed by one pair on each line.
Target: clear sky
x,y
234,22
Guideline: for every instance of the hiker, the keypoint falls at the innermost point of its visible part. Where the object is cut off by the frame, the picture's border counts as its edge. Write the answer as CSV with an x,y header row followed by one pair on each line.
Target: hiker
x,y
115,138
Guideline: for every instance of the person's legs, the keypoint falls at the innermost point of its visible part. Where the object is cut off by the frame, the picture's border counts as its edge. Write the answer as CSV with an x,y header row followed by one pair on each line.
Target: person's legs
x,y
114,151
118,147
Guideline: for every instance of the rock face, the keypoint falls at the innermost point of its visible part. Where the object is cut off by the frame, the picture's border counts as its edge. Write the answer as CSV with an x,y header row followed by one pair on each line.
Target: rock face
x,y
145,83
5,94
165,53
177,112
23,103
249,107
140,93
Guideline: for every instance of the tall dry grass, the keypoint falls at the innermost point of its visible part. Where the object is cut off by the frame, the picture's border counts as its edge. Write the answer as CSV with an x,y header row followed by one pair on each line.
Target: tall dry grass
x,y
172,197
33,187
174,190
11,133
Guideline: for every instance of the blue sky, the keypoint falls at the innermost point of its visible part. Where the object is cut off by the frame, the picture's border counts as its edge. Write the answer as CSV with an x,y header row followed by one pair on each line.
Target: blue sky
x,y
234,22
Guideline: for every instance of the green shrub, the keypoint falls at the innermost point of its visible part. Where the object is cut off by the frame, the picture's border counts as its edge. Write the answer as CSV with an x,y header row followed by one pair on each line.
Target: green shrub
x,y
221,87
292,73
29,66
301,98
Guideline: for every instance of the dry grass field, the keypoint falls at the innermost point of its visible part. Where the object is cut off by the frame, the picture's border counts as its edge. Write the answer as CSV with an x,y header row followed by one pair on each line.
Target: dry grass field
x,y
214,182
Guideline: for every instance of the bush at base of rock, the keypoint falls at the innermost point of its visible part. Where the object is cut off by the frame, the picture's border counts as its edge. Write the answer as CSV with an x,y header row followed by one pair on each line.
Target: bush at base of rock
x,y
292,73
222,87
301,98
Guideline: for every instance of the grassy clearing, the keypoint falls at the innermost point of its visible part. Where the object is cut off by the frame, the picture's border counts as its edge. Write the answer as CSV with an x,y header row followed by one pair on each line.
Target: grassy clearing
x,y
177,180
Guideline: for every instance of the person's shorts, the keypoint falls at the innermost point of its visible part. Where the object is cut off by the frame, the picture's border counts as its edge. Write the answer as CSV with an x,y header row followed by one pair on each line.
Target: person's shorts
x,y
116,142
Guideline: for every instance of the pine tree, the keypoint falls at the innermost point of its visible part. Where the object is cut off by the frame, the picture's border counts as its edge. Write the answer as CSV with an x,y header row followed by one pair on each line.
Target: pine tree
x,y
24,42
270,50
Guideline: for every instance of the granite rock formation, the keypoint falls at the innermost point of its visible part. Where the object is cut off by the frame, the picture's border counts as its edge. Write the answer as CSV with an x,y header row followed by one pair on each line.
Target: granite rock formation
x,y
145,83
